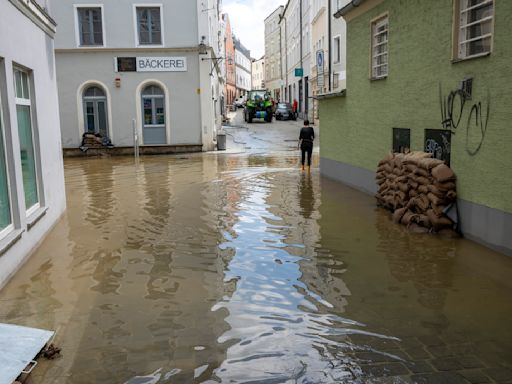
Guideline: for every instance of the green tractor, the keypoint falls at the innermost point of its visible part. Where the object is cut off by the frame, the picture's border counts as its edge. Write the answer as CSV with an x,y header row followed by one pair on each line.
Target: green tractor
x,y
258,106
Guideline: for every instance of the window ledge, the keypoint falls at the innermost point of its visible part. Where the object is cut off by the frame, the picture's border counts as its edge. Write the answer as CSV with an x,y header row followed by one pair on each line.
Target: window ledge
x,y
8,241
458,60
378,78
35,217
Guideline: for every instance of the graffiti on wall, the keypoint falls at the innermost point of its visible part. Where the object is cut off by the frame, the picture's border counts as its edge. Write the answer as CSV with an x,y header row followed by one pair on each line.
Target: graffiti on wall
x,y
453,106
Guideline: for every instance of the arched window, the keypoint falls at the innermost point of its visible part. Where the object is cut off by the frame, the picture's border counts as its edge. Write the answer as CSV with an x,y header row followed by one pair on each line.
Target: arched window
x,y
95,110
153,115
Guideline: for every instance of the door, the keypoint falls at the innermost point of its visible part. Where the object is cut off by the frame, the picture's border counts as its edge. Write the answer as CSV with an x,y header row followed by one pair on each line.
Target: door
x,y
153,115
95,110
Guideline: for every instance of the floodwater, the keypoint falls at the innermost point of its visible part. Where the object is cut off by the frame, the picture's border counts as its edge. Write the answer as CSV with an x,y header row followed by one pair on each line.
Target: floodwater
x,y
242,269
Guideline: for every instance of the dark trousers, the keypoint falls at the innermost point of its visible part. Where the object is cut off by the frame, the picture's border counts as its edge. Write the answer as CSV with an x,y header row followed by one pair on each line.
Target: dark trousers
x,y
306,147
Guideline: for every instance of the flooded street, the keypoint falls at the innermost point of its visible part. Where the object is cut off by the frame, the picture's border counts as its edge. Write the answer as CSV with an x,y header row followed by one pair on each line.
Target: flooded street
x,y
239,268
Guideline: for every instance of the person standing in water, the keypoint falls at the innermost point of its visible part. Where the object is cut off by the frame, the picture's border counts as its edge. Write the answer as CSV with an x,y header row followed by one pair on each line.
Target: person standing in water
x,y
306,137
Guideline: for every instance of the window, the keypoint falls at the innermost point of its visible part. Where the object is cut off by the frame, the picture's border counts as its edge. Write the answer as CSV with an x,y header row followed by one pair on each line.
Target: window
x,y
380,48
26,137
153,108
474,28
337,47
90,26
149,27
5,204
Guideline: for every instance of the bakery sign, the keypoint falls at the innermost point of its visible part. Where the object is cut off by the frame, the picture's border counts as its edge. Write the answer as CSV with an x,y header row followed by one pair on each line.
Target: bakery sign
x,y
151,64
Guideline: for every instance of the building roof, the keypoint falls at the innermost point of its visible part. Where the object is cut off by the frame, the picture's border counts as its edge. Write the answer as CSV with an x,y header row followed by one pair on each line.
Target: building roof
x,y
239,46
347,8
274,11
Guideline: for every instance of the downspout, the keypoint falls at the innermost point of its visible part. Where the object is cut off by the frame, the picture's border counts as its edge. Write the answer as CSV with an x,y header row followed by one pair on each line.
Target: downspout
x,y
329,34
301,64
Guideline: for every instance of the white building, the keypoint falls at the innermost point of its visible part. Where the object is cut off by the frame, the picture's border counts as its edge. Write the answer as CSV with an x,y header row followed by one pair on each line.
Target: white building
x,y
32,195
243,68
273,53
296,53
258,73
338,47
143,64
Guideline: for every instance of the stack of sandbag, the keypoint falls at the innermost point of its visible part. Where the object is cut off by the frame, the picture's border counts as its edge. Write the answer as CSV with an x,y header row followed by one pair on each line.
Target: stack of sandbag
x,y
417,189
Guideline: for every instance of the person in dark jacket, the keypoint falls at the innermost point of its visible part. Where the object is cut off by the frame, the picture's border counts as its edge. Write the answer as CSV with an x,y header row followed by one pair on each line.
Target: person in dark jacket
x,y
306,137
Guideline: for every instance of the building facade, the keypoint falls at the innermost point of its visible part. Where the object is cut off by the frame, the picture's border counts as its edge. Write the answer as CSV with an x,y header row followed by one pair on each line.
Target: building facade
x,y
273,53
230,62
429,76
139,72
258,73
243,69
338,48
32,194
296,53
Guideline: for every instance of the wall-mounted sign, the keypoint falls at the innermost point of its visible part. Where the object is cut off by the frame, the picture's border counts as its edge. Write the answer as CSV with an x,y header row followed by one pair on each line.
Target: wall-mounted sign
x,y
126,64
299,72
439,143
150,64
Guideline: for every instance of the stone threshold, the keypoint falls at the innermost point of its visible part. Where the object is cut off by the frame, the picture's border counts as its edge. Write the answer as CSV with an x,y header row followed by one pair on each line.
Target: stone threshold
x,y
128,151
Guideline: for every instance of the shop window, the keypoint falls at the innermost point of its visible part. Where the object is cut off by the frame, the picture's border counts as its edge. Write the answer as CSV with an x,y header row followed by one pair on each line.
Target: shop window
x,y
26,138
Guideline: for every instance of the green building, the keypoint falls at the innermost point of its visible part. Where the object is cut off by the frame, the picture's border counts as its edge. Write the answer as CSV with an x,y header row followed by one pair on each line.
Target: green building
x,y
429,75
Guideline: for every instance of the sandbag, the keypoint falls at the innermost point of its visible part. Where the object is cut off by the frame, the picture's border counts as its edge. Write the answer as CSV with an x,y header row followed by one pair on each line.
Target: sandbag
x,y
423,220
413,183
386,168
423,189
451,195
438,209
428,163
403,187
407,218
446,186
413,193
398,171
423,180
398,214
434,199
422,202
432,188
411,167
443,173
421,172
439,223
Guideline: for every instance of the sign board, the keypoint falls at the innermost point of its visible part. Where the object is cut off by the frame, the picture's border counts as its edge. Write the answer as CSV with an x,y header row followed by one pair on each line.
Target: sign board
x,y
161,64
299,72
150,64
320,61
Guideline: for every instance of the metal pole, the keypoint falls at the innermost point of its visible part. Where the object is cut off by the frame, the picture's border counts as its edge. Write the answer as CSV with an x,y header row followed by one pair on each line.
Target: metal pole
x,y
135,140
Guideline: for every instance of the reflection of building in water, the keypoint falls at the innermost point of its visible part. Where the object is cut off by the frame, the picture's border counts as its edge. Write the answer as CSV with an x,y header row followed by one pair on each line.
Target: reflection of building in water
x,y
423,260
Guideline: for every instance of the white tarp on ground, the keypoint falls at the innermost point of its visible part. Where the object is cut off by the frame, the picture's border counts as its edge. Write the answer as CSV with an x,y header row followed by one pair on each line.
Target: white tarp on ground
x,y
18,347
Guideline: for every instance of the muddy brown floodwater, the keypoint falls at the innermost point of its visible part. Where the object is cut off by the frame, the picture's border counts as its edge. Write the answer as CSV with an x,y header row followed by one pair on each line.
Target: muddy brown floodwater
x,y
240,268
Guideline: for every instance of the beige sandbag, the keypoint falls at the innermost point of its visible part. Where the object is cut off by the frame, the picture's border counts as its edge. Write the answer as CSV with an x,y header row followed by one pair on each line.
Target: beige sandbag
x,y
422,172
413,193
423,220
423,189
446,186
428,164
413,183
416,228
432,188
387,168
402,196
439,223
407,217
398,171
422,202
423,180
438,209
451,195
391,176
411,167
398,214
434,199
443,173
403,187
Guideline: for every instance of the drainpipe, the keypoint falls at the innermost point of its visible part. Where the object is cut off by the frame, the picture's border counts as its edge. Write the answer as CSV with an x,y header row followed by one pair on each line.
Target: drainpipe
x,y
301,64
329,34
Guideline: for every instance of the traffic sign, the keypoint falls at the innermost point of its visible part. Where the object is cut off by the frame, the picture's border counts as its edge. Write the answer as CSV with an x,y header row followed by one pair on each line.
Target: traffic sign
x,y
299,72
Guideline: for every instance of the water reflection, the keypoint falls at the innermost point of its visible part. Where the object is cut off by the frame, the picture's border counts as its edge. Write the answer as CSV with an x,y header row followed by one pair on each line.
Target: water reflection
x,y
243,269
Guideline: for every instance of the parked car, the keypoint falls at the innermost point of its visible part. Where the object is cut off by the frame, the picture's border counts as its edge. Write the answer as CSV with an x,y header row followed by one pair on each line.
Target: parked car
x,y
284,111
240,102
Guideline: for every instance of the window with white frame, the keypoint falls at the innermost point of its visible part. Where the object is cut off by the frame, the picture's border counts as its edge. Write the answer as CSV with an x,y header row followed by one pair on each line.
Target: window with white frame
x,y
380,33
90,26
5,202
474,25
336,55
149,26
26,137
